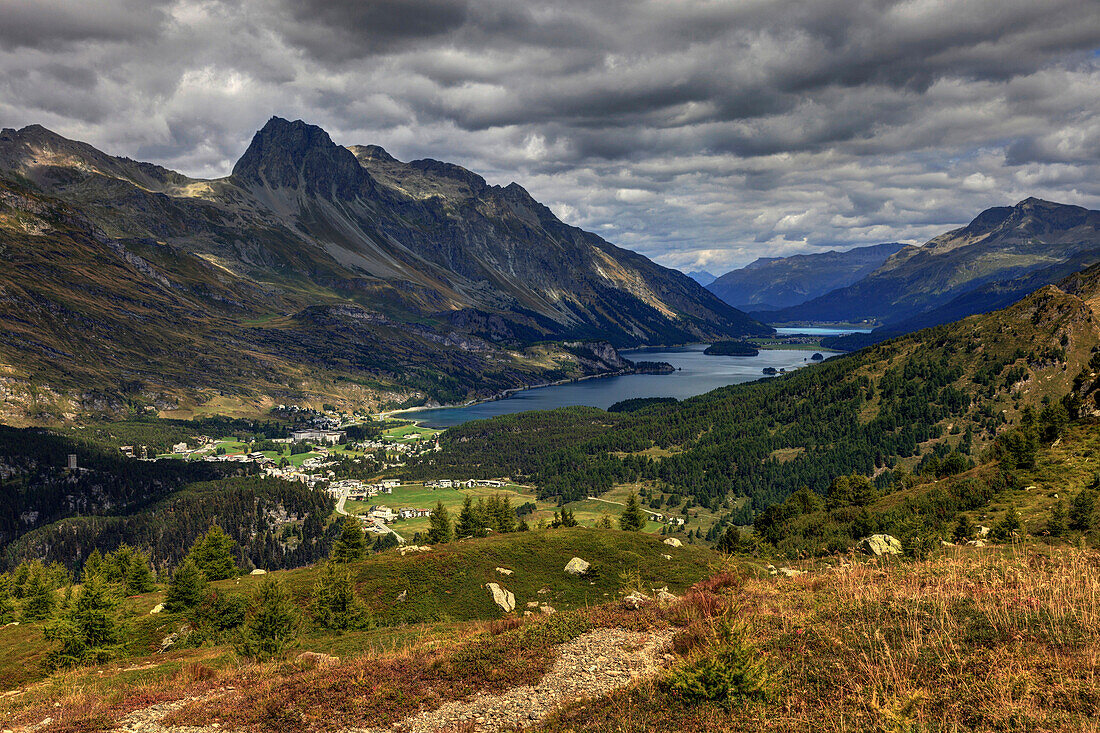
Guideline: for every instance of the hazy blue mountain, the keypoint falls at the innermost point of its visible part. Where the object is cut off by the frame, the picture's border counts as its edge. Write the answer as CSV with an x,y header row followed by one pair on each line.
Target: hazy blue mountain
x,y
771,283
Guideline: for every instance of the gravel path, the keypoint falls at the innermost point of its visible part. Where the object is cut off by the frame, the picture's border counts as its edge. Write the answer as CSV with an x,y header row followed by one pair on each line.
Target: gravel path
x,y
147,720
589,666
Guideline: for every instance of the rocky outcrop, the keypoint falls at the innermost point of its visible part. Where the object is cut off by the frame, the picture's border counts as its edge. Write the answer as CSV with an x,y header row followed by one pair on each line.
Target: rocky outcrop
x,y
577,567
880,545
673,542
502,597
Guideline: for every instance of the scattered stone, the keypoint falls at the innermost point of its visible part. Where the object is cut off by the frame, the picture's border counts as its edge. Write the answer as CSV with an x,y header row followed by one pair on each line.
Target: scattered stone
x,y
257,571
636,600
502,597
174,638
977,543
664,597
673,542
532,604
405,549
547,609
316,659
667,557
504,571
402,596
577,567
543,591
945,543
790,572
157,608
983,531
880,545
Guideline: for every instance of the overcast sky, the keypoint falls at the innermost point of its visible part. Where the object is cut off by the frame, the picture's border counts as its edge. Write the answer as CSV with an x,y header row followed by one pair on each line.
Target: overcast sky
x,y
702,134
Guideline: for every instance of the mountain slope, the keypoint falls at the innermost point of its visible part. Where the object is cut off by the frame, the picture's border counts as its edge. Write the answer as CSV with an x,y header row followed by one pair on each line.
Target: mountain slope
x,y
1000,245
313,272
771,283
880,412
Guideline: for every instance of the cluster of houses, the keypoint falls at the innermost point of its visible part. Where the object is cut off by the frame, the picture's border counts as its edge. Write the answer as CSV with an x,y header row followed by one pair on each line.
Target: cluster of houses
x,y
361,490
382,513
671,521
325,437
447,483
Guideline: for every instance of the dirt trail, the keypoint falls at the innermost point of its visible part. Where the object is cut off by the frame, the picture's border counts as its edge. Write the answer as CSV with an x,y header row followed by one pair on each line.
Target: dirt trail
x,y
589,666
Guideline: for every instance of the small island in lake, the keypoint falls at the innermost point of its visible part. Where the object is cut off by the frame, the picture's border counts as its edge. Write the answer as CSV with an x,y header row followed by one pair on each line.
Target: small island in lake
x,y
731,348
817,357
653,367
770,371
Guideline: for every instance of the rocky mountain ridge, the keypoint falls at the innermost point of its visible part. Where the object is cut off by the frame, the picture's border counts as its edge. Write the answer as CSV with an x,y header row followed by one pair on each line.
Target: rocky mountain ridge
x,y
313,261
1004,253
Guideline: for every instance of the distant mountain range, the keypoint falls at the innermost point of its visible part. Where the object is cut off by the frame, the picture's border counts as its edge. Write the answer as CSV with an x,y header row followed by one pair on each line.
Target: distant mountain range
x,y
702,277
314,270
771,283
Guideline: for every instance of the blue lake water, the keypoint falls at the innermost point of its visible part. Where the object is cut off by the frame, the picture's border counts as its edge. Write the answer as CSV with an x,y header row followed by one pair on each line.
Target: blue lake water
x,y
697,373
818,330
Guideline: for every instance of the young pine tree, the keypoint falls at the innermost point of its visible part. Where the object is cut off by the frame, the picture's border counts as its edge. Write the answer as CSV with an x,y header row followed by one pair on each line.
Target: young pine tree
x,y
186,589
273,622
440,528
7,606
351,545
139,578
39,600
87,630
632,519
964,530
213,555
336,605
469,523
1008,527
1082,510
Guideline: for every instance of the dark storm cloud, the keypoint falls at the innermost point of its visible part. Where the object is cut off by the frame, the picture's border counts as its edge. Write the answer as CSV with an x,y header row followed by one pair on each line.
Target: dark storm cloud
x,y
700,132
53,23
334,30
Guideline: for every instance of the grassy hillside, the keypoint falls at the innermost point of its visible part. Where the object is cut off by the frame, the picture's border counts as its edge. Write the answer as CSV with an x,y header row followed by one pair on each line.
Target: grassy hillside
x,y
420,590
970,640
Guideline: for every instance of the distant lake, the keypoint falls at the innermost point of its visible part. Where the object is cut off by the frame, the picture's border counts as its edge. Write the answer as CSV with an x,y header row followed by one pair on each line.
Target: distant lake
x,y
697,374
818,331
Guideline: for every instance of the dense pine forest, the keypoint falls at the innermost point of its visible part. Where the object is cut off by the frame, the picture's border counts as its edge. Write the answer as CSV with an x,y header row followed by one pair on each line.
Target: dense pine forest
x,y
57,515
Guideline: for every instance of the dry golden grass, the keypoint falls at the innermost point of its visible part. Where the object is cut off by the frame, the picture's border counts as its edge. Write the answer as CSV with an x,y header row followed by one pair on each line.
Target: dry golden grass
x,y
967,641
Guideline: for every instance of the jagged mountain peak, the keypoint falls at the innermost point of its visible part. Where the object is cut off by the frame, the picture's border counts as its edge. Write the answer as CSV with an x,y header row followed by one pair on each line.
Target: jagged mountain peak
x,y
300,156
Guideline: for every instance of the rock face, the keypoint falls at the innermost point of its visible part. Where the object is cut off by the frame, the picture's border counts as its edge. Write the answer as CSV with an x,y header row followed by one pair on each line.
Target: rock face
x,y
673,542
502,597
880,545
577,567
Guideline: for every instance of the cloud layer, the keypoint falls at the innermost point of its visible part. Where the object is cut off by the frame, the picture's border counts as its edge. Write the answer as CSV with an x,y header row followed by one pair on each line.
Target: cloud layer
x,y
702,133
